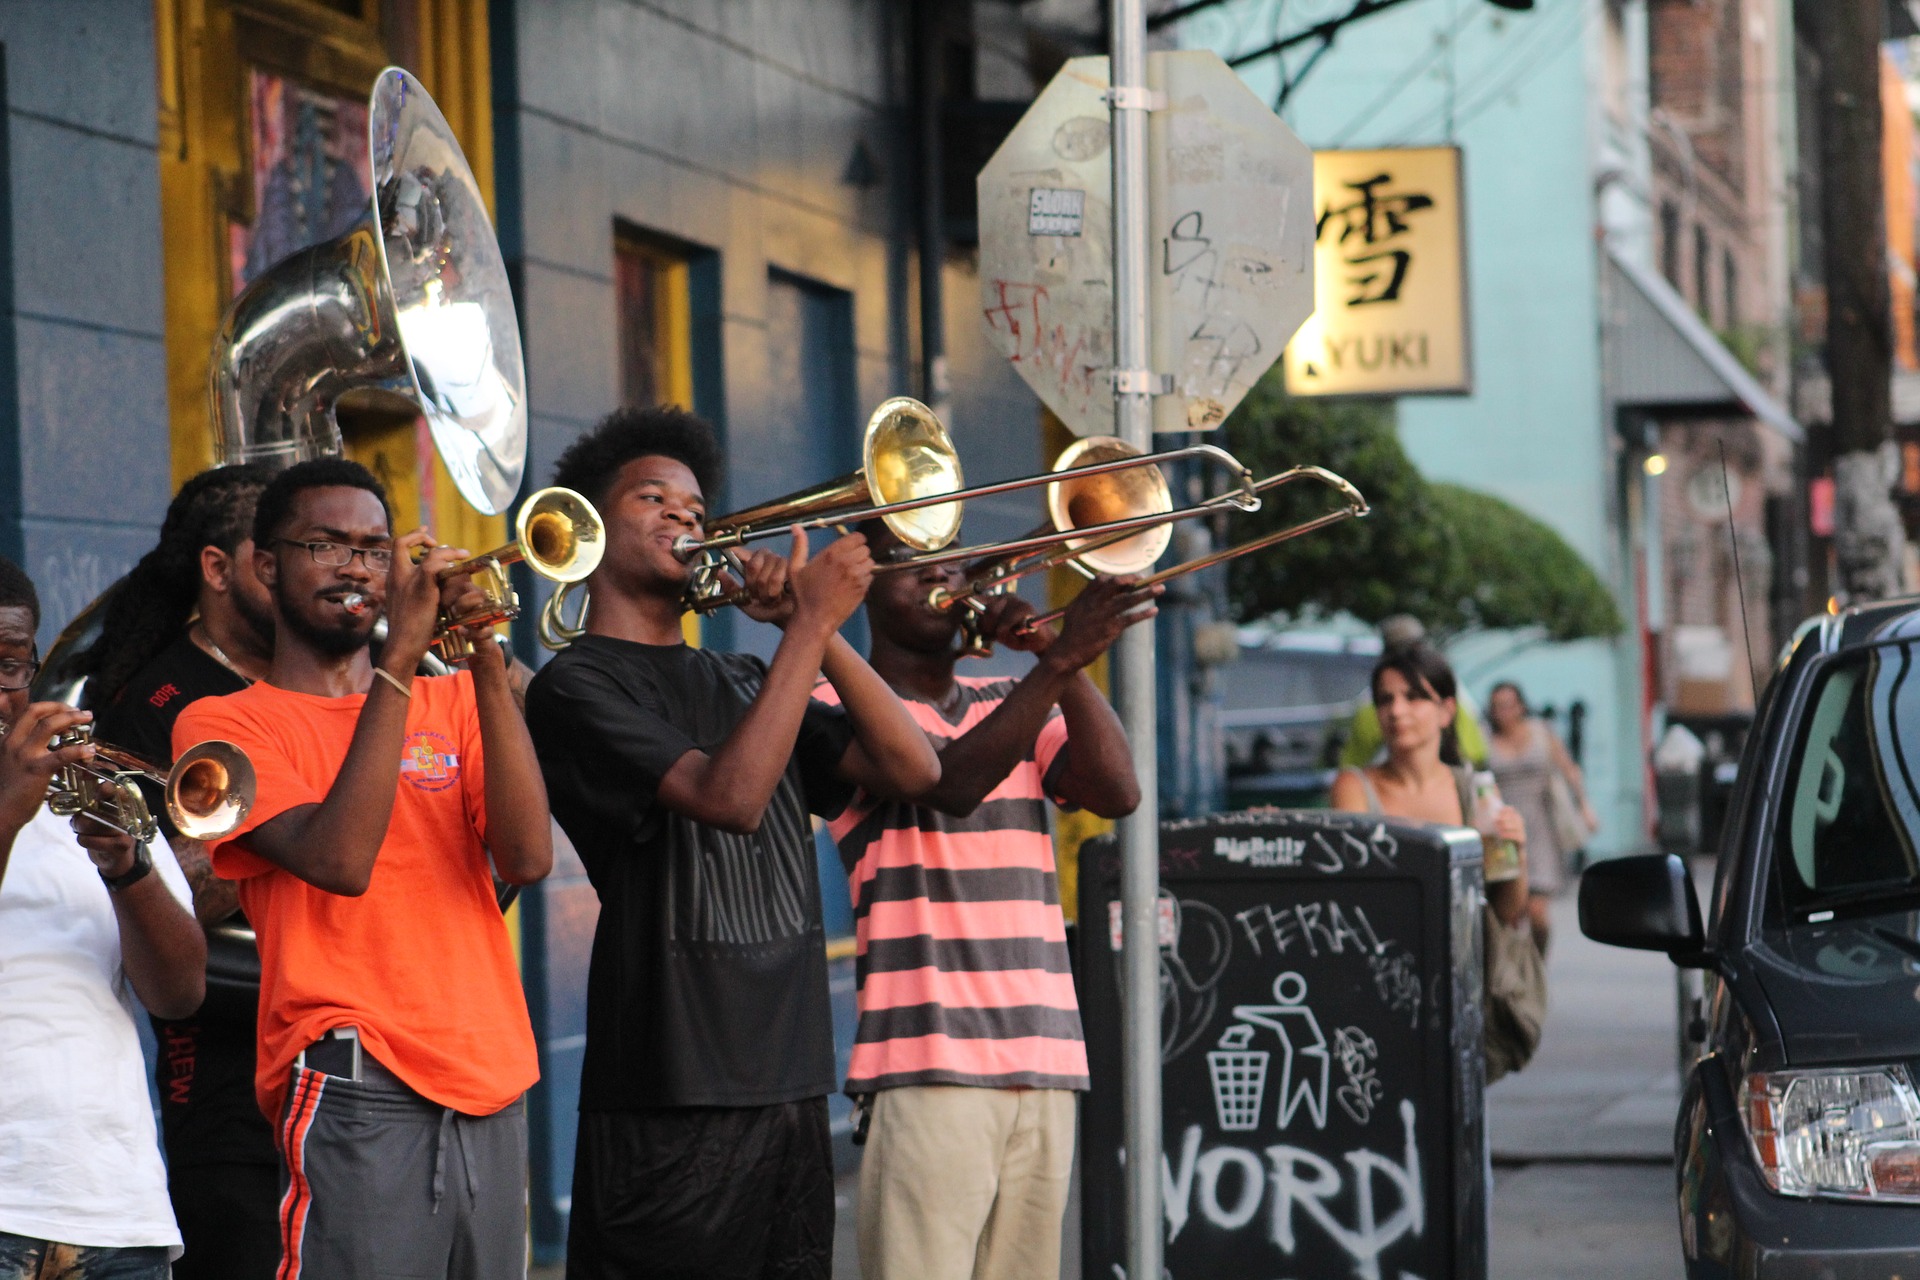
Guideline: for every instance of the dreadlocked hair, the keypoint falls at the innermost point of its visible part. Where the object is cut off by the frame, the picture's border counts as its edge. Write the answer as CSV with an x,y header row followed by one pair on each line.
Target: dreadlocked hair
x,y
151,605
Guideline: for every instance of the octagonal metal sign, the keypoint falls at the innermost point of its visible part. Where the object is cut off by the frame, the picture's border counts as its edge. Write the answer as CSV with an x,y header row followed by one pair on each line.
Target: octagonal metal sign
x,y
1231,223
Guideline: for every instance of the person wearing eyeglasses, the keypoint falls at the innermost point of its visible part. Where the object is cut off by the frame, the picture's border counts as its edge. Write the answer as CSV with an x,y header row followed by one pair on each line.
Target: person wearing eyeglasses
x,y
86,925
192,620
394,1042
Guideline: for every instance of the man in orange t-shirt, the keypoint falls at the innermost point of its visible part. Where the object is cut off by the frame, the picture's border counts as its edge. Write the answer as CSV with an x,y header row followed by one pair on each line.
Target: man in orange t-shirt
x,y
394,1039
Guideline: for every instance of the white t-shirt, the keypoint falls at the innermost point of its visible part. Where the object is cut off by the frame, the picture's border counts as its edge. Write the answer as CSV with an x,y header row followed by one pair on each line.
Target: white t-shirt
x,y
79,1160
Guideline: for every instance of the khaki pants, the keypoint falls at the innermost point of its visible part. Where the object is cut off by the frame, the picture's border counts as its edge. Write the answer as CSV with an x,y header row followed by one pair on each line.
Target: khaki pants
x,y
965,1184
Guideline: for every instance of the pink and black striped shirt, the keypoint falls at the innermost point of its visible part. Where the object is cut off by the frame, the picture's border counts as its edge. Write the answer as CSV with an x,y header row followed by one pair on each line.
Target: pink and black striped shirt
x,y
961,951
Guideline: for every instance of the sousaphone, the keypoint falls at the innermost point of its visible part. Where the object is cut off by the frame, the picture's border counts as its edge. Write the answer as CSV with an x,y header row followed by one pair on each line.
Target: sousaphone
x,y
405,314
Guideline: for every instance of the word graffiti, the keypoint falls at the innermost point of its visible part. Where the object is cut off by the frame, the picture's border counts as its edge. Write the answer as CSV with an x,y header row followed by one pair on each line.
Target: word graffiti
x,y
1228,1185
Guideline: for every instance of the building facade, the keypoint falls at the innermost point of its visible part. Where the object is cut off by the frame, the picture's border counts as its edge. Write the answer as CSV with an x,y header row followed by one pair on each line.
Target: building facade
x,y
1569,116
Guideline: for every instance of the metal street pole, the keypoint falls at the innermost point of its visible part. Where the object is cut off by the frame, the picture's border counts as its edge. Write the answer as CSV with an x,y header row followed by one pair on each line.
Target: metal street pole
x,y
1134,690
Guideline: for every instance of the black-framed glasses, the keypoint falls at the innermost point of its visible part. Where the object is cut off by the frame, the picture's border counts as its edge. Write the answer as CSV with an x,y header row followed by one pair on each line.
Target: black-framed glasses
x,y
18,673
333,555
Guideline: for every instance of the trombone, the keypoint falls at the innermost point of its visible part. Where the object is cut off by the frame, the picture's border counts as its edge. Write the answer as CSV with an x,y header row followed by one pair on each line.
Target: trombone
x,y
911,481
208,791
1102,555
557,534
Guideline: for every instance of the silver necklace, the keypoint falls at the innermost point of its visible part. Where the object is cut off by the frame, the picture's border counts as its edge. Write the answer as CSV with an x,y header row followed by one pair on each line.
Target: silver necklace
x,y
219,655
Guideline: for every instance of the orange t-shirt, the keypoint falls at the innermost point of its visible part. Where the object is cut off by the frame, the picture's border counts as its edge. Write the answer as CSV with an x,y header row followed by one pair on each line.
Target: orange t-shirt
x,y
421,962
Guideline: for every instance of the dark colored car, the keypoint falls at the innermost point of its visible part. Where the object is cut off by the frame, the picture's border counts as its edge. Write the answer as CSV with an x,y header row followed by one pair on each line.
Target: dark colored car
x,y
1798,1142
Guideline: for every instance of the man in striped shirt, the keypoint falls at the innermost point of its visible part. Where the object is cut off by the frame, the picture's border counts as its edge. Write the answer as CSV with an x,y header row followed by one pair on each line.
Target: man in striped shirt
x,y
969,1037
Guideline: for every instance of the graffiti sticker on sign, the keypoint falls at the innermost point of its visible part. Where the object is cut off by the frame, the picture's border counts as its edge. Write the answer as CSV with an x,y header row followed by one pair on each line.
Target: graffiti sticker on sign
x,y
1053,212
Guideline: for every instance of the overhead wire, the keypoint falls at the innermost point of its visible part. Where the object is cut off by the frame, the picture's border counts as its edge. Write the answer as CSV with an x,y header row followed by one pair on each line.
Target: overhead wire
x,y
1549,42
1442,41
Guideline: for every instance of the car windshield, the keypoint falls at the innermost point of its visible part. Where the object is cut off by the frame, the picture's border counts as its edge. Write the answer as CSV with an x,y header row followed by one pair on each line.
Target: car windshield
x,y
1852,806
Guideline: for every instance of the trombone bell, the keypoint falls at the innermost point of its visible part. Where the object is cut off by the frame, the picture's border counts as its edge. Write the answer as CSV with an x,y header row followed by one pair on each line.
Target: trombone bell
x,y
909,455
1101,499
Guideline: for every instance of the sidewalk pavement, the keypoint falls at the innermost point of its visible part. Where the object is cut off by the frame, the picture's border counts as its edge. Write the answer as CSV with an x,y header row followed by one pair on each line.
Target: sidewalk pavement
x,y
1583,1138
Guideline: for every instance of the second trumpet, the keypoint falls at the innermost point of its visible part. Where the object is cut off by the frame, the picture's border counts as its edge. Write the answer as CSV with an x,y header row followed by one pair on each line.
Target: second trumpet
x,y
208,791
558,535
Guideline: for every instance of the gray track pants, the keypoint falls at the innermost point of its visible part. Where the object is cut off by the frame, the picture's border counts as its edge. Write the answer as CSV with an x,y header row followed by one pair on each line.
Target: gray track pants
x,y
381,1184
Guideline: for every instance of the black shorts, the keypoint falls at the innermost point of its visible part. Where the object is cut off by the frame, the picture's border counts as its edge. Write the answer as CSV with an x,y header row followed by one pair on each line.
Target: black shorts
x,y
703,1193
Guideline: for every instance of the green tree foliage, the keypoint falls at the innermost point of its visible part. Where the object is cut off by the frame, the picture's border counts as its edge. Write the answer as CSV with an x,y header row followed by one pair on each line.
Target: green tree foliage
x,y
1454,558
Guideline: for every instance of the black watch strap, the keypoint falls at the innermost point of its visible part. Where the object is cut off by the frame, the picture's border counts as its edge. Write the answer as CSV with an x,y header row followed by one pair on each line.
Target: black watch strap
x,y
142,864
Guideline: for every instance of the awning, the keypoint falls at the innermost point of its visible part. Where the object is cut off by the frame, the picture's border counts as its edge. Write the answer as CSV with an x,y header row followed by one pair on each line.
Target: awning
x,y
1663,358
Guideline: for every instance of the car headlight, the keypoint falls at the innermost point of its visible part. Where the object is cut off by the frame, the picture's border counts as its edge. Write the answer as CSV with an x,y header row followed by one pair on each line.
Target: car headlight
x,y
1851,1133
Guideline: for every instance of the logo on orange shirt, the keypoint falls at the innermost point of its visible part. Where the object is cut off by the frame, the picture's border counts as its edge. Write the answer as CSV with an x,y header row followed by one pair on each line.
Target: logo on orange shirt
x,y
428,761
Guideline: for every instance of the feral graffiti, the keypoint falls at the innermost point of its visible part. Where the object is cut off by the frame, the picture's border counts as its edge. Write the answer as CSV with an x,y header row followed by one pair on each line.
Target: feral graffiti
x,y
1318,927
1228,1185
1357,1054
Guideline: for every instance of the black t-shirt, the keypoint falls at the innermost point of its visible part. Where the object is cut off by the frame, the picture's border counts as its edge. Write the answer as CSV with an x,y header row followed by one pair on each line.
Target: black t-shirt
x,y
708,980
205,1068
141,718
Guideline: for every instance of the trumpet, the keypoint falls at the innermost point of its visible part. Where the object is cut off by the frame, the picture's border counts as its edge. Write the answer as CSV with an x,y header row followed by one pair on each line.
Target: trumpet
x,y
558,535
911,482
1103,555
209,790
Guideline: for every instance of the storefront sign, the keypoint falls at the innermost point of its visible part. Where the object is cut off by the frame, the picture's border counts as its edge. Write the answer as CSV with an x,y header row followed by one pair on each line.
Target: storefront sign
x,y
1390,315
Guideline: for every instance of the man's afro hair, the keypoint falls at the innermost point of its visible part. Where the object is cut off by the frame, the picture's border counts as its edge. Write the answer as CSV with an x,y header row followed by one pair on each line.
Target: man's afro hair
x,y
590,463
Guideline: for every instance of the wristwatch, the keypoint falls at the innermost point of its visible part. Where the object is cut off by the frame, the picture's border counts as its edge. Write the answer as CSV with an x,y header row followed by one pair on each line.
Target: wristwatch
x,y
142,863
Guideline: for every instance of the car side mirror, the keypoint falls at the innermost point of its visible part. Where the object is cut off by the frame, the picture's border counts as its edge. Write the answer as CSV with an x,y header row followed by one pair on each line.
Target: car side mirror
x,y
1646,902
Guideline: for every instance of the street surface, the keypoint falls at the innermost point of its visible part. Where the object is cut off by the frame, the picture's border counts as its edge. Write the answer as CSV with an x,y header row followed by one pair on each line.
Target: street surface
x,y
1583,1138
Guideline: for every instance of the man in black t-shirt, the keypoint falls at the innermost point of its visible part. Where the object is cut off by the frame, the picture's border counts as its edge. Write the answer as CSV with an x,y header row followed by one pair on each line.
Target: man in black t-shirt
x,y
193,621
684,778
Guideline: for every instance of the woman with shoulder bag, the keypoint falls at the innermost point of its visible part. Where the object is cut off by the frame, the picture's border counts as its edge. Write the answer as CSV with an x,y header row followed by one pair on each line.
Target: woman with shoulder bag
x,y
1421,779
1539,778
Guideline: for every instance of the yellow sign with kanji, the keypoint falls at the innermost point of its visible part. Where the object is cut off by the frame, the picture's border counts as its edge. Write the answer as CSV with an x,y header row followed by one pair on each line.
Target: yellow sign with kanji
x,y
1390,294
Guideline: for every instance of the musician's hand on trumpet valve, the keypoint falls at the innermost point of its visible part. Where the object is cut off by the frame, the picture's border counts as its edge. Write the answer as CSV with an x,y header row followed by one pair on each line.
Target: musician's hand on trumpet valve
x,y
29,759
112,852
415,597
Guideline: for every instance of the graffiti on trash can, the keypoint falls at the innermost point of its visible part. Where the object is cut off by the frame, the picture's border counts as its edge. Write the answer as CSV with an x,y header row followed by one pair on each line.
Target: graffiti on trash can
x,y
1239,1070
1356,1052
1227,1186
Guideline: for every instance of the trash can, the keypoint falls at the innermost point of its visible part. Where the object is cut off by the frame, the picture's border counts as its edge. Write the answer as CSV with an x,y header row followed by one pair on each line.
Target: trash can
x,y
1322,1077
1676,790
